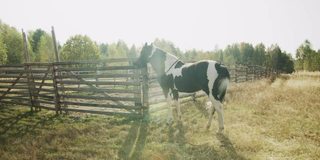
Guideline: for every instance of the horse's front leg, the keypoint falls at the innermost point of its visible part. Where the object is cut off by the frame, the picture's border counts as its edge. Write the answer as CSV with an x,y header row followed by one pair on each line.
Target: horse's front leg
x,y
175,95
179,110
170,108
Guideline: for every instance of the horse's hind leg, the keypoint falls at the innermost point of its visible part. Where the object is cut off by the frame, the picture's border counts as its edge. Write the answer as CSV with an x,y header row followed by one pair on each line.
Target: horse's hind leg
x,y
219,108
178,110
175,95
211,111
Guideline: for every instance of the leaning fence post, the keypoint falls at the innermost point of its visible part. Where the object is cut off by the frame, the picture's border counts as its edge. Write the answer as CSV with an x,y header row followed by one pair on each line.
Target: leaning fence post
x,y
27,69
55,45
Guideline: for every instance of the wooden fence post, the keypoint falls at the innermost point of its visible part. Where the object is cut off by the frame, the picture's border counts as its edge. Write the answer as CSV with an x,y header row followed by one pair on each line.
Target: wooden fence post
x,y
56,73
25,45
96,75
236,74
254,73
56,53
145,87
257,72
27,70
136,78
247,68
265,72
260,72
55,88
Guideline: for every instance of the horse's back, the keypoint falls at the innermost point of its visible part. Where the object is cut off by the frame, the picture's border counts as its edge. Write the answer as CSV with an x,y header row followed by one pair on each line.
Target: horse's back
x,y
193,77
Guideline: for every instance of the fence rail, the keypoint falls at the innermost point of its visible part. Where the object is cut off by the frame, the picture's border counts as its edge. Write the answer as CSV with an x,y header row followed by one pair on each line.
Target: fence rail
x,y
107,87
92,87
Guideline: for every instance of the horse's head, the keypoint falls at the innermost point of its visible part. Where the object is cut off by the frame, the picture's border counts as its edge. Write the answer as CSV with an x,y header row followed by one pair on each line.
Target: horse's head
x,y
145,55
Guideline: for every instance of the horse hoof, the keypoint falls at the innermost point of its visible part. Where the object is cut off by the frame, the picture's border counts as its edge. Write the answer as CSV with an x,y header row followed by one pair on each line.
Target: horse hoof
x,y
220,131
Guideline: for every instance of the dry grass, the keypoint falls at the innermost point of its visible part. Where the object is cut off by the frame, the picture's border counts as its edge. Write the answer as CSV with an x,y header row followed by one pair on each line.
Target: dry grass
x,y
281,118
263,120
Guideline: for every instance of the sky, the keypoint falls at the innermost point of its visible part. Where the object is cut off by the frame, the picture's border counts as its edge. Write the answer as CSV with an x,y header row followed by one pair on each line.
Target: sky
x,y
189,24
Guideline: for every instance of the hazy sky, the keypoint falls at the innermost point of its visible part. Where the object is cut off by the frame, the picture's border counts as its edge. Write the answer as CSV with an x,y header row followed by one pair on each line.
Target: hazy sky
x,y
200,24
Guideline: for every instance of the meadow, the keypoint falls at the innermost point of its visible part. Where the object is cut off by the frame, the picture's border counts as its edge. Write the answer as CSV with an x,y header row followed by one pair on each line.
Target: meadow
x,y
274,118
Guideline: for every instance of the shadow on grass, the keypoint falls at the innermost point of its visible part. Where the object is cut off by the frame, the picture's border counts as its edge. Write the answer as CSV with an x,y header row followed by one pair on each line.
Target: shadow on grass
x,y
176,134
134,143
203,151
6,123
228,146
206,151
14,123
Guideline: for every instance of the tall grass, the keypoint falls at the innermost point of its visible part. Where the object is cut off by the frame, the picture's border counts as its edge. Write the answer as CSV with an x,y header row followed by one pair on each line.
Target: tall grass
x,y
266,119
279,119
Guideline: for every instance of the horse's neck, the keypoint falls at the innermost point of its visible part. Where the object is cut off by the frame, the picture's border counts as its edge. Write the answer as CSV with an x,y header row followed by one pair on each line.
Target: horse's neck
x,y
170,62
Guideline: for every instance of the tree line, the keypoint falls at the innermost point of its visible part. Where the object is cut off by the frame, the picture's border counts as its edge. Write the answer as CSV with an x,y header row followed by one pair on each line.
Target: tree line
x,y
307,57
245,53
81,47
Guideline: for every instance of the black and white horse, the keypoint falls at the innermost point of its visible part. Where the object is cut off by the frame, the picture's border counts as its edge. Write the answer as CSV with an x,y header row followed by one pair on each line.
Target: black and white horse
x,y
176,76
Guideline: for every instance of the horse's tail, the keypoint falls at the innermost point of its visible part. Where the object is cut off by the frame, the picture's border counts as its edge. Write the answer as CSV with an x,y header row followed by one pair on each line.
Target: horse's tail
x,y
221,83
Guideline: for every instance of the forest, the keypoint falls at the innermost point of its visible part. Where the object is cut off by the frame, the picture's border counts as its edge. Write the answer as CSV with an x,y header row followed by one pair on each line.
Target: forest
x,y
82,47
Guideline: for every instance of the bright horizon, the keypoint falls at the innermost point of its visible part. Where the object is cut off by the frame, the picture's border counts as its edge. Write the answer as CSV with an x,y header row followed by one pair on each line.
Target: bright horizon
x,y
198,24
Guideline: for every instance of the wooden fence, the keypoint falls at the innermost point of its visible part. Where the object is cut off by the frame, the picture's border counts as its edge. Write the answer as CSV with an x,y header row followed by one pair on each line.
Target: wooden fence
x,y
91,87
112,86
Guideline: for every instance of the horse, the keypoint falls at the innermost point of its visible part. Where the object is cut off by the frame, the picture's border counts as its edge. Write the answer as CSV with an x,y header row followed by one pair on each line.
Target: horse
x,y
175,76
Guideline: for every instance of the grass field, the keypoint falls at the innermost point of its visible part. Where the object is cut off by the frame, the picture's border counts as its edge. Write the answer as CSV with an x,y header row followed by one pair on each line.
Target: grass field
x,y
266,119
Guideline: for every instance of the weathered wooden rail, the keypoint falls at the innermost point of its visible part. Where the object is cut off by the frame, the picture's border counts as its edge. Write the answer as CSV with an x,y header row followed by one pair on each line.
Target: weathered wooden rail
x,y
112,86
91,87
